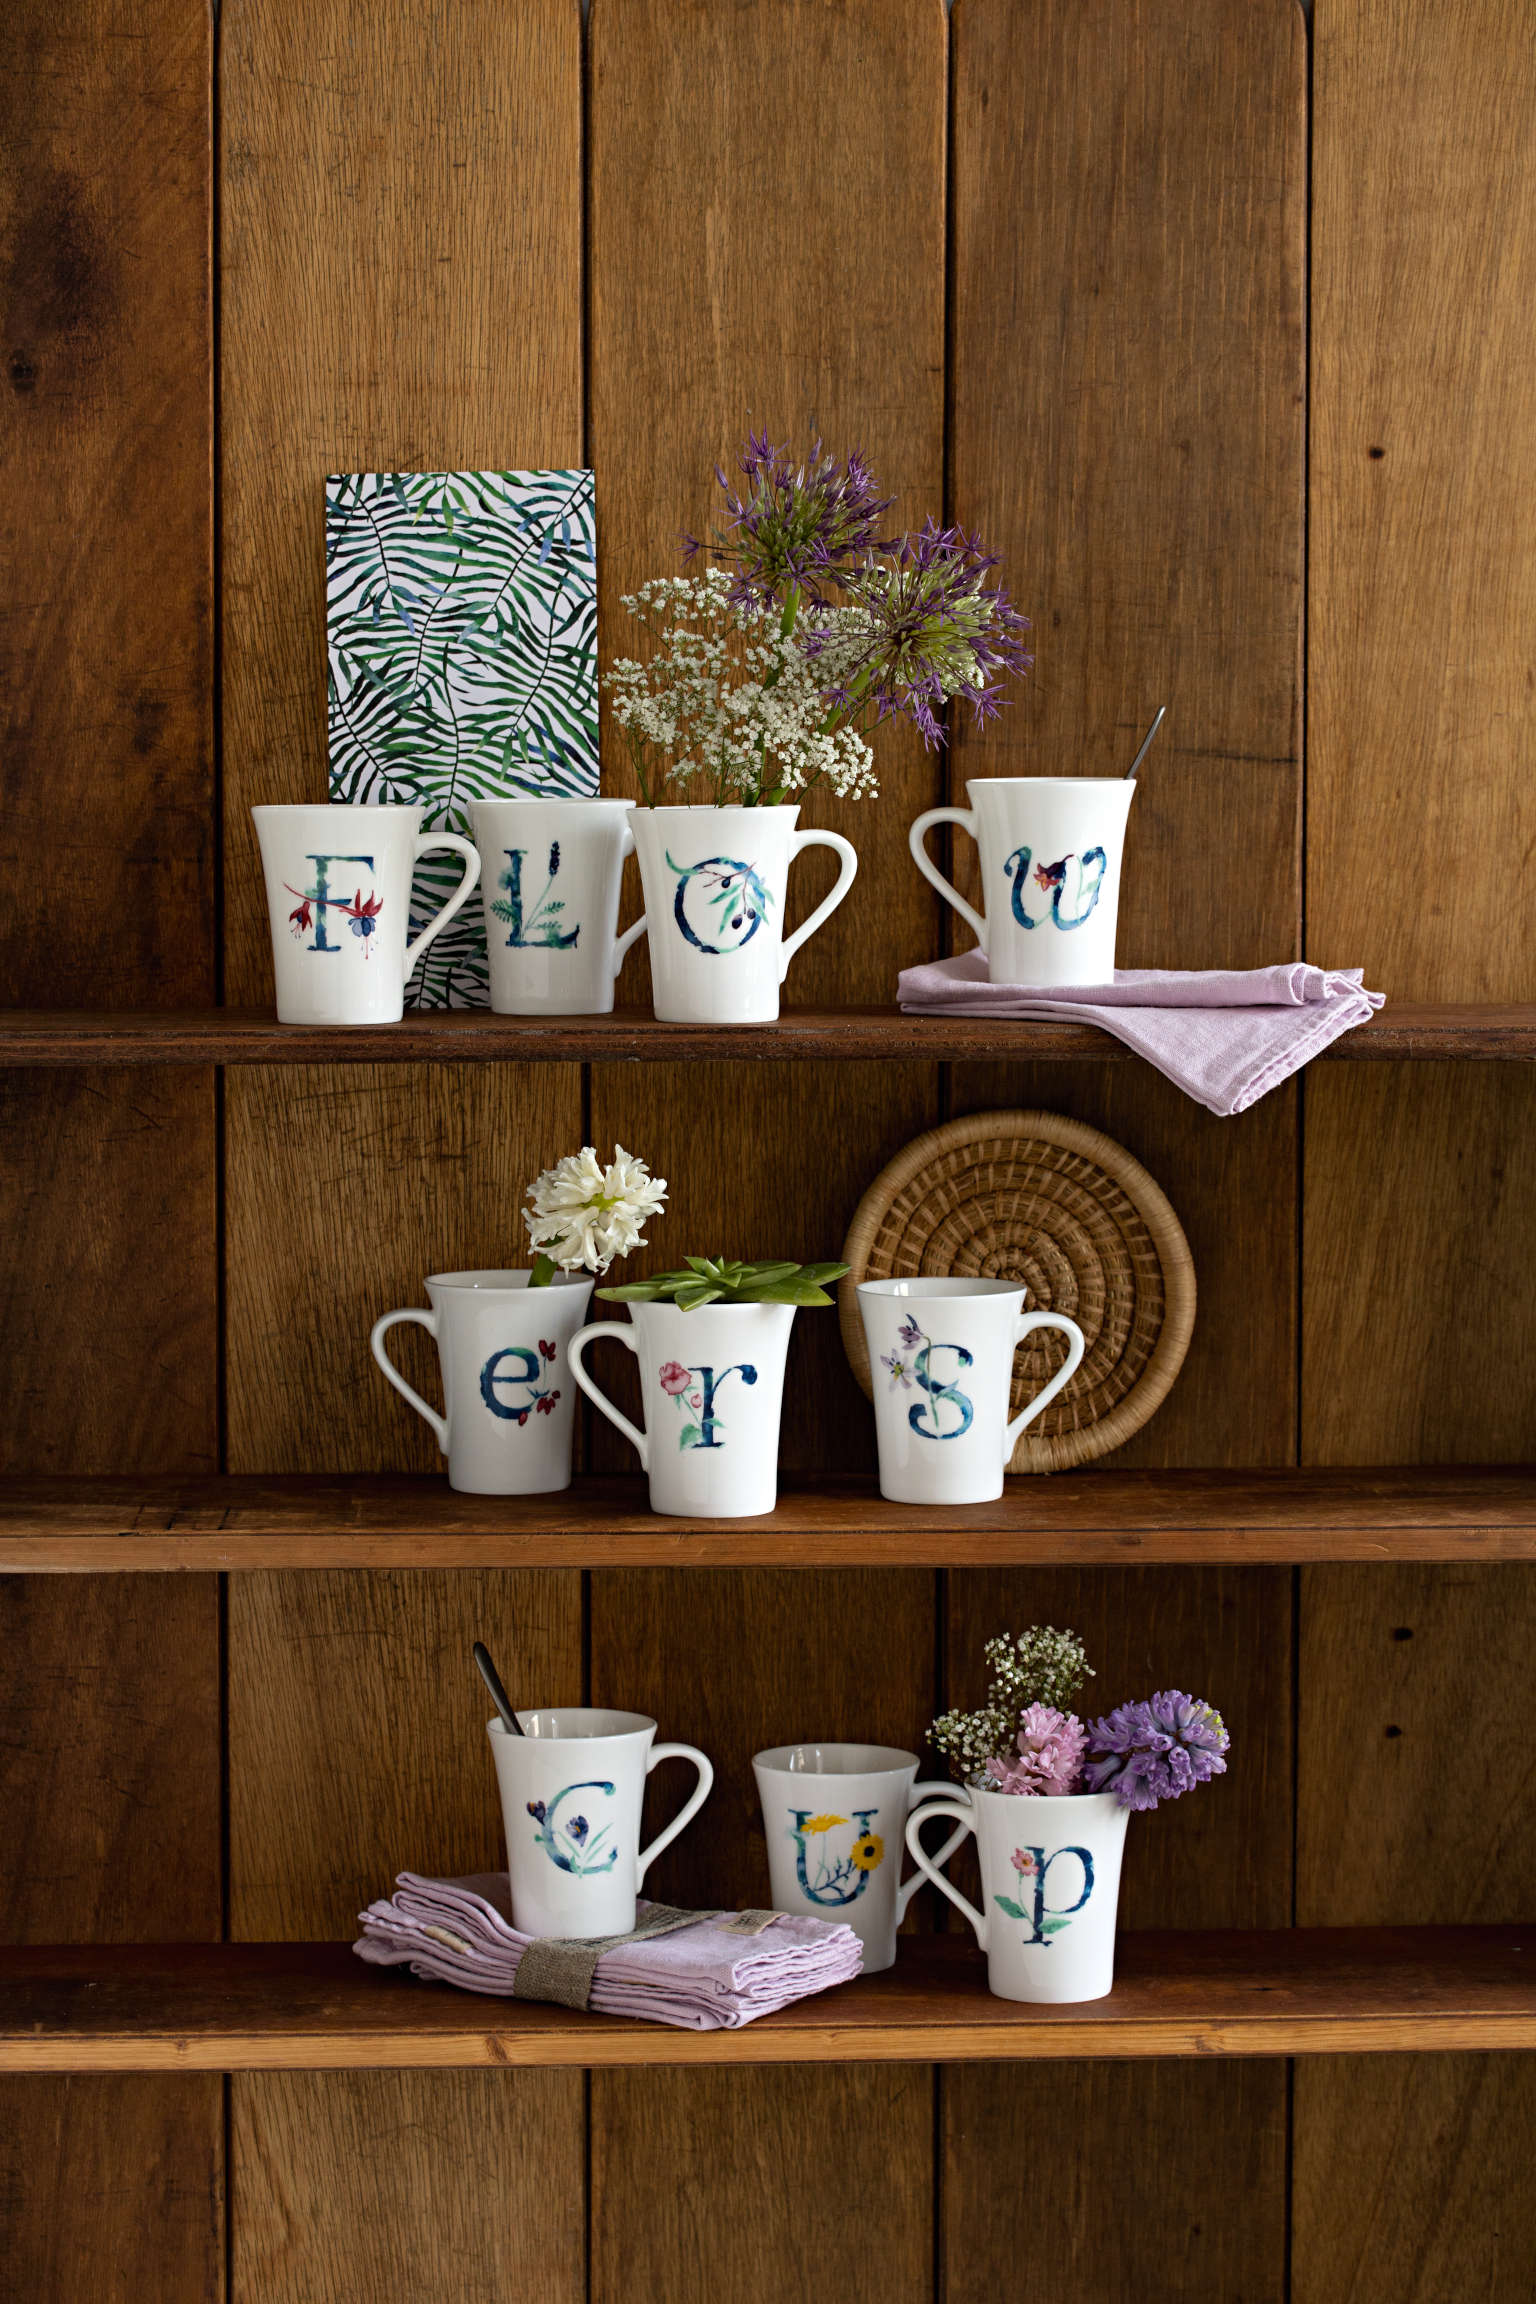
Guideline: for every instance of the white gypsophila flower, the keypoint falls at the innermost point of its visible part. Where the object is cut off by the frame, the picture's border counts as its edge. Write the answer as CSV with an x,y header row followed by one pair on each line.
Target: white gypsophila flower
x,y
585,1215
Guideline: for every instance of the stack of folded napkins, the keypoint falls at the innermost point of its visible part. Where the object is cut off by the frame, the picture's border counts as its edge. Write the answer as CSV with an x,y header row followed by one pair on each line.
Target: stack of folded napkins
x,y
710,1971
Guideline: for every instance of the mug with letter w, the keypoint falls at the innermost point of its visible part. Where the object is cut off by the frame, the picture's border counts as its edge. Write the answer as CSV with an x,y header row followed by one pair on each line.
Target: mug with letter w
x,y
571,1791
508,1402
553,870
1050,849
1050,1888
339,900
834,1815
941,1368
716,883
712,1382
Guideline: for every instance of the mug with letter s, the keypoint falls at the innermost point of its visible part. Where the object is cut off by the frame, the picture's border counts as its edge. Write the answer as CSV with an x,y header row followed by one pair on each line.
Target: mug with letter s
x,y
834,1815
553,871
1050,850
508,1402
339,899
571,1789
941,1369
1050,1888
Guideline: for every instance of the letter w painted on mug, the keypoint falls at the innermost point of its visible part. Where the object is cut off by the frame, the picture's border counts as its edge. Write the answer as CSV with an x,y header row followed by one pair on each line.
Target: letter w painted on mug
x,y
1053,879
922,1369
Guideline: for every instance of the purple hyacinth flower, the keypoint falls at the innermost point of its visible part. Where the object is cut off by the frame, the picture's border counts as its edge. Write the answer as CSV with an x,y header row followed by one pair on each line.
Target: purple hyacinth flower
x,y
1156,1750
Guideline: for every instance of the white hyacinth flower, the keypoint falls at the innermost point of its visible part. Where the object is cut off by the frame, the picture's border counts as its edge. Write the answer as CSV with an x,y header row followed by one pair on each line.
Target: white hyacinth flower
x,y
585,1215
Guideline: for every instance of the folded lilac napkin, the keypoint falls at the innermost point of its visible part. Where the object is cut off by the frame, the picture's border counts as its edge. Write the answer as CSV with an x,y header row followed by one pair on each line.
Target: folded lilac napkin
x,y
710,1971
1226,1036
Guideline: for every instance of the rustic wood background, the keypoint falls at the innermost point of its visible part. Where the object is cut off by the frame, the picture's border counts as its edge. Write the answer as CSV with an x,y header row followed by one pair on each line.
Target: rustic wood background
x,y
1223,332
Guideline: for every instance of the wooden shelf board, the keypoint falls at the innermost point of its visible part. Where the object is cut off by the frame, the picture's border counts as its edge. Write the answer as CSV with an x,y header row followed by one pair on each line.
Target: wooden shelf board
x,y
315,2007
1200,1518
249,1036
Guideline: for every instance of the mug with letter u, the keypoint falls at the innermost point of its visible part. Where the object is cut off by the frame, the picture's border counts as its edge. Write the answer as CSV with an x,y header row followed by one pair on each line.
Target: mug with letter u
x,y
941,1367
508,1403
553,870
339,900
1050,1888
834,1815
1050,849
716,882
571,1791
712,1383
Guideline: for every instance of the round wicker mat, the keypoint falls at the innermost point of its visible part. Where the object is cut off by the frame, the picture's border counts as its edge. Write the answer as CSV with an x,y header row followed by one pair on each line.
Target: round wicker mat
x,y
1032,1197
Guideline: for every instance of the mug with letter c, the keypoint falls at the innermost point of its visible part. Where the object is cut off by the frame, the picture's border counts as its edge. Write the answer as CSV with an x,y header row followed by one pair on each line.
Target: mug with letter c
x,y
941,1367
339,901
1050,849
571,1788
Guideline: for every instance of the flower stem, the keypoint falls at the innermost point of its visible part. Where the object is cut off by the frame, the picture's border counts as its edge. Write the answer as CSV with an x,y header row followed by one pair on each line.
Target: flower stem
x,y
543,1271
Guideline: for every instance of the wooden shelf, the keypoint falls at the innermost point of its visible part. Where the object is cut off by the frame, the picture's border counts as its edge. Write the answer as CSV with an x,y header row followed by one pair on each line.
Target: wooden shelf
x,y
315,2007
461,1035
1248,1518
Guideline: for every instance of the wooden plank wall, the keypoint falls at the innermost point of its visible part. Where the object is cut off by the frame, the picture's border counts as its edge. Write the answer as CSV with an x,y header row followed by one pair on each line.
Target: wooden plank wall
x,y
1047,260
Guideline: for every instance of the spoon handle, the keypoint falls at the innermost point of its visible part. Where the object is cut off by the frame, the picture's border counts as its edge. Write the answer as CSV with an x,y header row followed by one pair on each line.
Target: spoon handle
x,y
499,1696
1146,743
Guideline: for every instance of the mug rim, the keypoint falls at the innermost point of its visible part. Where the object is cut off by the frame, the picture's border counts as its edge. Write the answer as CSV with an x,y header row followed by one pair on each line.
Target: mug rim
x,y
549,800
893,1761
939,1288
512,1280
638,1723
337,808
781,810
1048,783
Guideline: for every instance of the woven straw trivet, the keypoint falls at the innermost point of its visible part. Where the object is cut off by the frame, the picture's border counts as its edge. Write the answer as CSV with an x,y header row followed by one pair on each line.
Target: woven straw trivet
x,y
1031,1197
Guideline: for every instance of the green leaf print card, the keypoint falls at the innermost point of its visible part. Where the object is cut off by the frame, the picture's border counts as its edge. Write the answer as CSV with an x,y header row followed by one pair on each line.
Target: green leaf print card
x,y
461,617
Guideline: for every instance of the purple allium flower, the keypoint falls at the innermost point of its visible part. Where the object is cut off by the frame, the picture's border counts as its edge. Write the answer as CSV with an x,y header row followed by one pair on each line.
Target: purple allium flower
x,y
936,631
793,526
1156,1750
1050,1754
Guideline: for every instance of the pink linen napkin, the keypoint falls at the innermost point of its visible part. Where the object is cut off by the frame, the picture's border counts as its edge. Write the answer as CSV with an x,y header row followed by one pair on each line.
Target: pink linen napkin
x,y
705,1976
1225,1036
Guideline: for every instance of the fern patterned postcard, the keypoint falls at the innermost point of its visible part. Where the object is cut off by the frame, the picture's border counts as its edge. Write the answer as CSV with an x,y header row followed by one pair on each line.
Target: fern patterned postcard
x,y
462,630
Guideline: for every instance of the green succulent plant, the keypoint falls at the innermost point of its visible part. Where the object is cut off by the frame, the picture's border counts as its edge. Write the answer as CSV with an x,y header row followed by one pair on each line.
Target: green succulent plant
x,y
717,1280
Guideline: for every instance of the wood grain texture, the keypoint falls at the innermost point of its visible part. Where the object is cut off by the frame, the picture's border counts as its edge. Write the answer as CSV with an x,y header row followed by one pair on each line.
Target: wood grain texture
x,y
401,246
106,532
1419,1339
366,2220
1127,387
720,253
1184,1993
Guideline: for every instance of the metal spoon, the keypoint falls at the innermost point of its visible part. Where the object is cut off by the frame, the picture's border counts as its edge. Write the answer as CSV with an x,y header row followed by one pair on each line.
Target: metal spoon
x,y
499,1696
1146,743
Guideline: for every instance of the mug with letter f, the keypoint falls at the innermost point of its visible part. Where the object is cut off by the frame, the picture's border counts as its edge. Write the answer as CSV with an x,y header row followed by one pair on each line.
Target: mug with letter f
x,y
339,901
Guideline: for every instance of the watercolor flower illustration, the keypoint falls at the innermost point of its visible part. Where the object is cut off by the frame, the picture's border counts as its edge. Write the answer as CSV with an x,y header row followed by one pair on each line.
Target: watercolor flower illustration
x,y
824,1876
573,1846
866,1852
673,1377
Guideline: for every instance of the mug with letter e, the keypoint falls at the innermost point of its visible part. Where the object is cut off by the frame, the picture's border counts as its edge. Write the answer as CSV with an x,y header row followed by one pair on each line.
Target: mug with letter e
x,y
508,1402
834,1815
1050,1888
552,875
940,1369
571,1791
339,901
1050,850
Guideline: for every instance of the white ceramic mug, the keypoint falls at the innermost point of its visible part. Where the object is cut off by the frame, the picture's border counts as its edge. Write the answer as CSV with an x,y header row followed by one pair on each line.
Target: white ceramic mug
x,y
716,881
1050,1888
571,1788
940,1367
712,1382
508,1404
833,1815
339,900
1050,848
552,874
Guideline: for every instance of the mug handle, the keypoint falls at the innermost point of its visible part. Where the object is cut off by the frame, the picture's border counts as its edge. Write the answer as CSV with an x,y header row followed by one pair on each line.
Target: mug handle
x,y
690,1807
630,935
626,1336
429,844
1027,1323
847,865
381,1328
966,819
905,1894
915,1823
